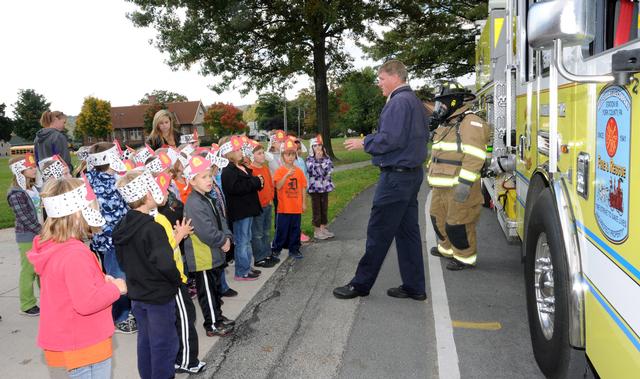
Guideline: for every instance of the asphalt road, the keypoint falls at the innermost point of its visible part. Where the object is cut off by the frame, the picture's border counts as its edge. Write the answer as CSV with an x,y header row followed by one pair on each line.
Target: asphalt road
x,y
473,325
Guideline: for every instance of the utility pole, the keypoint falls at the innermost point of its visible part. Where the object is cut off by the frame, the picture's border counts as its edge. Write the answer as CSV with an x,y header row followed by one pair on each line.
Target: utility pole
x,y
285,112
298,120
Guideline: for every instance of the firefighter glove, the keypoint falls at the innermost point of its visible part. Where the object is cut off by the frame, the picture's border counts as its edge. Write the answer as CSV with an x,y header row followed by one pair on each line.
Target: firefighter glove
x,y
461,192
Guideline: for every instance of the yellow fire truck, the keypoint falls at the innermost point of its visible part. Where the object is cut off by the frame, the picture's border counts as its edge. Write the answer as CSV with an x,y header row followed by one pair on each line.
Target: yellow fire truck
x,y
557,80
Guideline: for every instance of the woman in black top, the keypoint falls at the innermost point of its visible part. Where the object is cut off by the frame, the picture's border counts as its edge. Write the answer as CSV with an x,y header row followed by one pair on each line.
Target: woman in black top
x,y
163,133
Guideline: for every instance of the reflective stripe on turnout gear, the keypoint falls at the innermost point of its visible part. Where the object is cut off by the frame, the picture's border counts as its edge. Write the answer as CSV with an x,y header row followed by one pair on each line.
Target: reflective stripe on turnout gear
x,y
476,152
436,181
468,175
471,260
446,252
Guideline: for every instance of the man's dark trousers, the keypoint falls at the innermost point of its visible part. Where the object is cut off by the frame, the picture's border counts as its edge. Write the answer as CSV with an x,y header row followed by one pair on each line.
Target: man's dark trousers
x,y
394,214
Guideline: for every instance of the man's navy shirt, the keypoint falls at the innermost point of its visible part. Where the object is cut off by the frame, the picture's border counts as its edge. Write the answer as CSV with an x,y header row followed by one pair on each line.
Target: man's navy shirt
x,y
401,140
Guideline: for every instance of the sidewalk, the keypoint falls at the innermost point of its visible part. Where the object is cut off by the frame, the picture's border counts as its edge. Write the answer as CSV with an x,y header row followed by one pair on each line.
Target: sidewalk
x,y
19,355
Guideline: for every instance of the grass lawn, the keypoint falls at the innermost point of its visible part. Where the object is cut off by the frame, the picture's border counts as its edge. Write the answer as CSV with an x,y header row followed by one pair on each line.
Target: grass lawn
x,y
349,183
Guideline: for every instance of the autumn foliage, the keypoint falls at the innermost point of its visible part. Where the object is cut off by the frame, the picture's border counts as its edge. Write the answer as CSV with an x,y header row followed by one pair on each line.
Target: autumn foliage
x,y
94,118
223,119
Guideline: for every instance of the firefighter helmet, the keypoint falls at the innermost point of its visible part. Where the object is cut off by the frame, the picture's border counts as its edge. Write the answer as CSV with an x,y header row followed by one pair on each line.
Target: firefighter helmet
x,y
450,96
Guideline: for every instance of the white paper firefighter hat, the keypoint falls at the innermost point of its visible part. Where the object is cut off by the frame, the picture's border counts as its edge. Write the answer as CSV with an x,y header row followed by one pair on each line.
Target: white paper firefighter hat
x,y
110,156
234,144
217,160
197,164
175,155
138,188
143,154
80,198
18,167
187,149
159,163
55,169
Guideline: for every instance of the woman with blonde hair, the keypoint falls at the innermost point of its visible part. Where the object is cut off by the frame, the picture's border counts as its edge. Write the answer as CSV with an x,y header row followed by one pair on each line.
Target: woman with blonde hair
x,y
50,140
163,133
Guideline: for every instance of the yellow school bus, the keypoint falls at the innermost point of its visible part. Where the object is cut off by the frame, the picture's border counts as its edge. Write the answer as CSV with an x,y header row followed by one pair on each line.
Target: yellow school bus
x,y
21,150
558,82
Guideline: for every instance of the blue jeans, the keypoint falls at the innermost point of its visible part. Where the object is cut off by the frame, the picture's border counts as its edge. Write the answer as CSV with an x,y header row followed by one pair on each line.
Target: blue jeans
x,y
100,370
224,286
157,339
261,234
242,240
122,307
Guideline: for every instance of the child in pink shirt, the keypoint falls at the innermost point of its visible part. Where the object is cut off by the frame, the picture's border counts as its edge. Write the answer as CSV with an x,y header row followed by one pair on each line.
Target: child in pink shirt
x,y
75,302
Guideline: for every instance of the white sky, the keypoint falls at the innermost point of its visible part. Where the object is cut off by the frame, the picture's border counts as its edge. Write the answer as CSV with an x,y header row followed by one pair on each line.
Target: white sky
x,y
67,50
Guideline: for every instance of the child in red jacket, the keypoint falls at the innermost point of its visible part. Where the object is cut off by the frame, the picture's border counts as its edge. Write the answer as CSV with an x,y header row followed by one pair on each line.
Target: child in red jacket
x,y
75,302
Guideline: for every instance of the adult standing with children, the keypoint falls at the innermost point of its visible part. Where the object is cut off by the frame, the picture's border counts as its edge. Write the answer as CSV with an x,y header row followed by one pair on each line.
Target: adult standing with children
x,y
50,140
399,149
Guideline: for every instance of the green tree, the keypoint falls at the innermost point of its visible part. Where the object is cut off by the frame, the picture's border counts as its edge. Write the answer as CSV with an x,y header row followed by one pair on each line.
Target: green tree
x,y
94,118
27,112
250,114
162,96
360,102
6,125
269,111
265,42
223,119
434,38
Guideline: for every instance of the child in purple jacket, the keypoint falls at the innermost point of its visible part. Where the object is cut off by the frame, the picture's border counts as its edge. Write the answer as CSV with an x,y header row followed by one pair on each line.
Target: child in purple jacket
x,y
319,167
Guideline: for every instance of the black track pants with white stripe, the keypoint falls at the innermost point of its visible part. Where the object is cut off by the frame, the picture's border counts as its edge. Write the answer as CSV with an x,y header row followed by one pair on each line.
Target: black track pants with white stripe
x,y
185,324
207,283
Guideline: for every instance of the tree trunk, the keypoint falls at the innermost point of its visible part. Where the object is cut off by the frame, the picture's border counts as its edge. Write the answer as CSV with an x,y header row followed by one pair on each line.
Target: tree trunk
x,y
322,93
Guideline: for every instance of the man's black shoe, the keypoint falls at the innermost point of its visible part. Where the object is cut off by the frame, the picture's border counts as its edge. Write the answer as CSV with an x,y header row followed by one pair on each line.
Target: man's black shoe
x,y
348,292
456,265
436,253
401,293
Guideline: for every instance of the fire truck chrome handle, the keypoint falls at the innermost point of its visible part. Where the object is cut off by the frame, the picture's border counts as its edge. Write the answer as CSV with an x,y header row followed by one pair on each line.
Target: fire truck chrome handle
x,y
562,70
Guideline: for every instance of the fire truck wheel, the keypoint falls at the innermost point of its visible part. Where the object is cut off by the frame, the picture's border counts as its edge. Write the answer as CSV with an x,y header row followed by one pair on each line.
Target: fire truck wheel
x,y
546,281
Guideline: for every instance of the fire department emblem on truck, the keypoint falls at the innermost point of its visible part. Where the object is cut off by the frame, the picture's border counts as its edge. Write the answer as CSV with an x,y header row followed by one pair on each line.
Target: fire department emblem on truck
x,y
613,153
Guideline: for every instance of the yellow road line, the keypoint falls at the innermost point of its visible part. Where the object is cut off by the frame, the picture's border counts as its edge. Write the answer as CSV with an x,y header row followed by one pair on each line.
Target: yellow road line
x,y
477,325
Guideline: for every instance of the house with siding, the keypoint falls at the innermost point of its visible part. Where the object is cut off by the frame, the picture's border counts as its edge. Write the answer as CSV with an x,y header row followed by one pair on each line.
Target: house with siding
x,y
128,121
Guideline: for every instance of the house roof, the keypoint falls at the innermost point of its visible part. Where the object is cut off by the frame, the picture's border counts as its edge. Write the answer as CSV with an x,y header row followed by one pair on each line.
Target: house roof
x,y
133,116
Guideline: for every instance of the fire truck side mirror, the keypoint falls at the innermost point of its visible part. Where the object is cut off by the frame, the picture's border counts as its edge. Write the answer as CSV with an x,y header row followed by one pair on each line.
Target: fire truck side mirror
x,y
570,21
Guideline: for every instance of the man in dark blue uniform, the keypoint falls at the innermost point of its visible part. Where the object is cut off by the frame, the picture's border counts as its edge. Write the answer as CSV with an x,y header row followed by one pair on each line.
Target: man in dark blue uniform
x,y
399,148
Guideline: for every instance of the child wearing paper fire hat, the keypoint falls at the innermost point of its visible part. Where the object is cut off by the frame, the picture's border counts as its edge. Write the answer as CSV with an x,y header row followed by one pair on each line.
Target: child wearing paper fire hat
x,y
104,163
24,201
205,249
76,325
147,258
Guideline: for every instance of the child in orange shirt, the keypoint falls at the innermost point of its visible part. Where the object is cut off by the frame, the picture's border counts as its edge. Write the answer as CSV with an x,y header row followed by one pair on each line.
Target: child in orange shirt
x,y
291,185
261,226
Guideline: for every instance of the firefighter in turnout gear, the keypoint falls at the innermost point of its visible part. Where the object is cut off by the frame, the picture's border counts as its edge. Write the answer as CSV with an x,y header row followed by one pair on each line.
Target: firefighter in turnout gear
x,y
458,154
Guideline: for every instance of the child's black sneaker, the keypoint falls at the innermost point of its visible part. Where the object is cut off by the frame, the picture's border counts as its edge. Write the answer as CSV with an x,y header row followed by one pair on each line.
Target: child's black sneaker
x,y
230,293
221,330
31,312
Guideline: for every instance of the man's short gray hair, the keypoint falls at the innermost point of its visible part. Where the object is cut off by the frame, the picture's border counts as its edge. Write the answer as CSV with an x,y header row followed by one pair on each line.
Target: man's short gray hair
x,y
395,67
